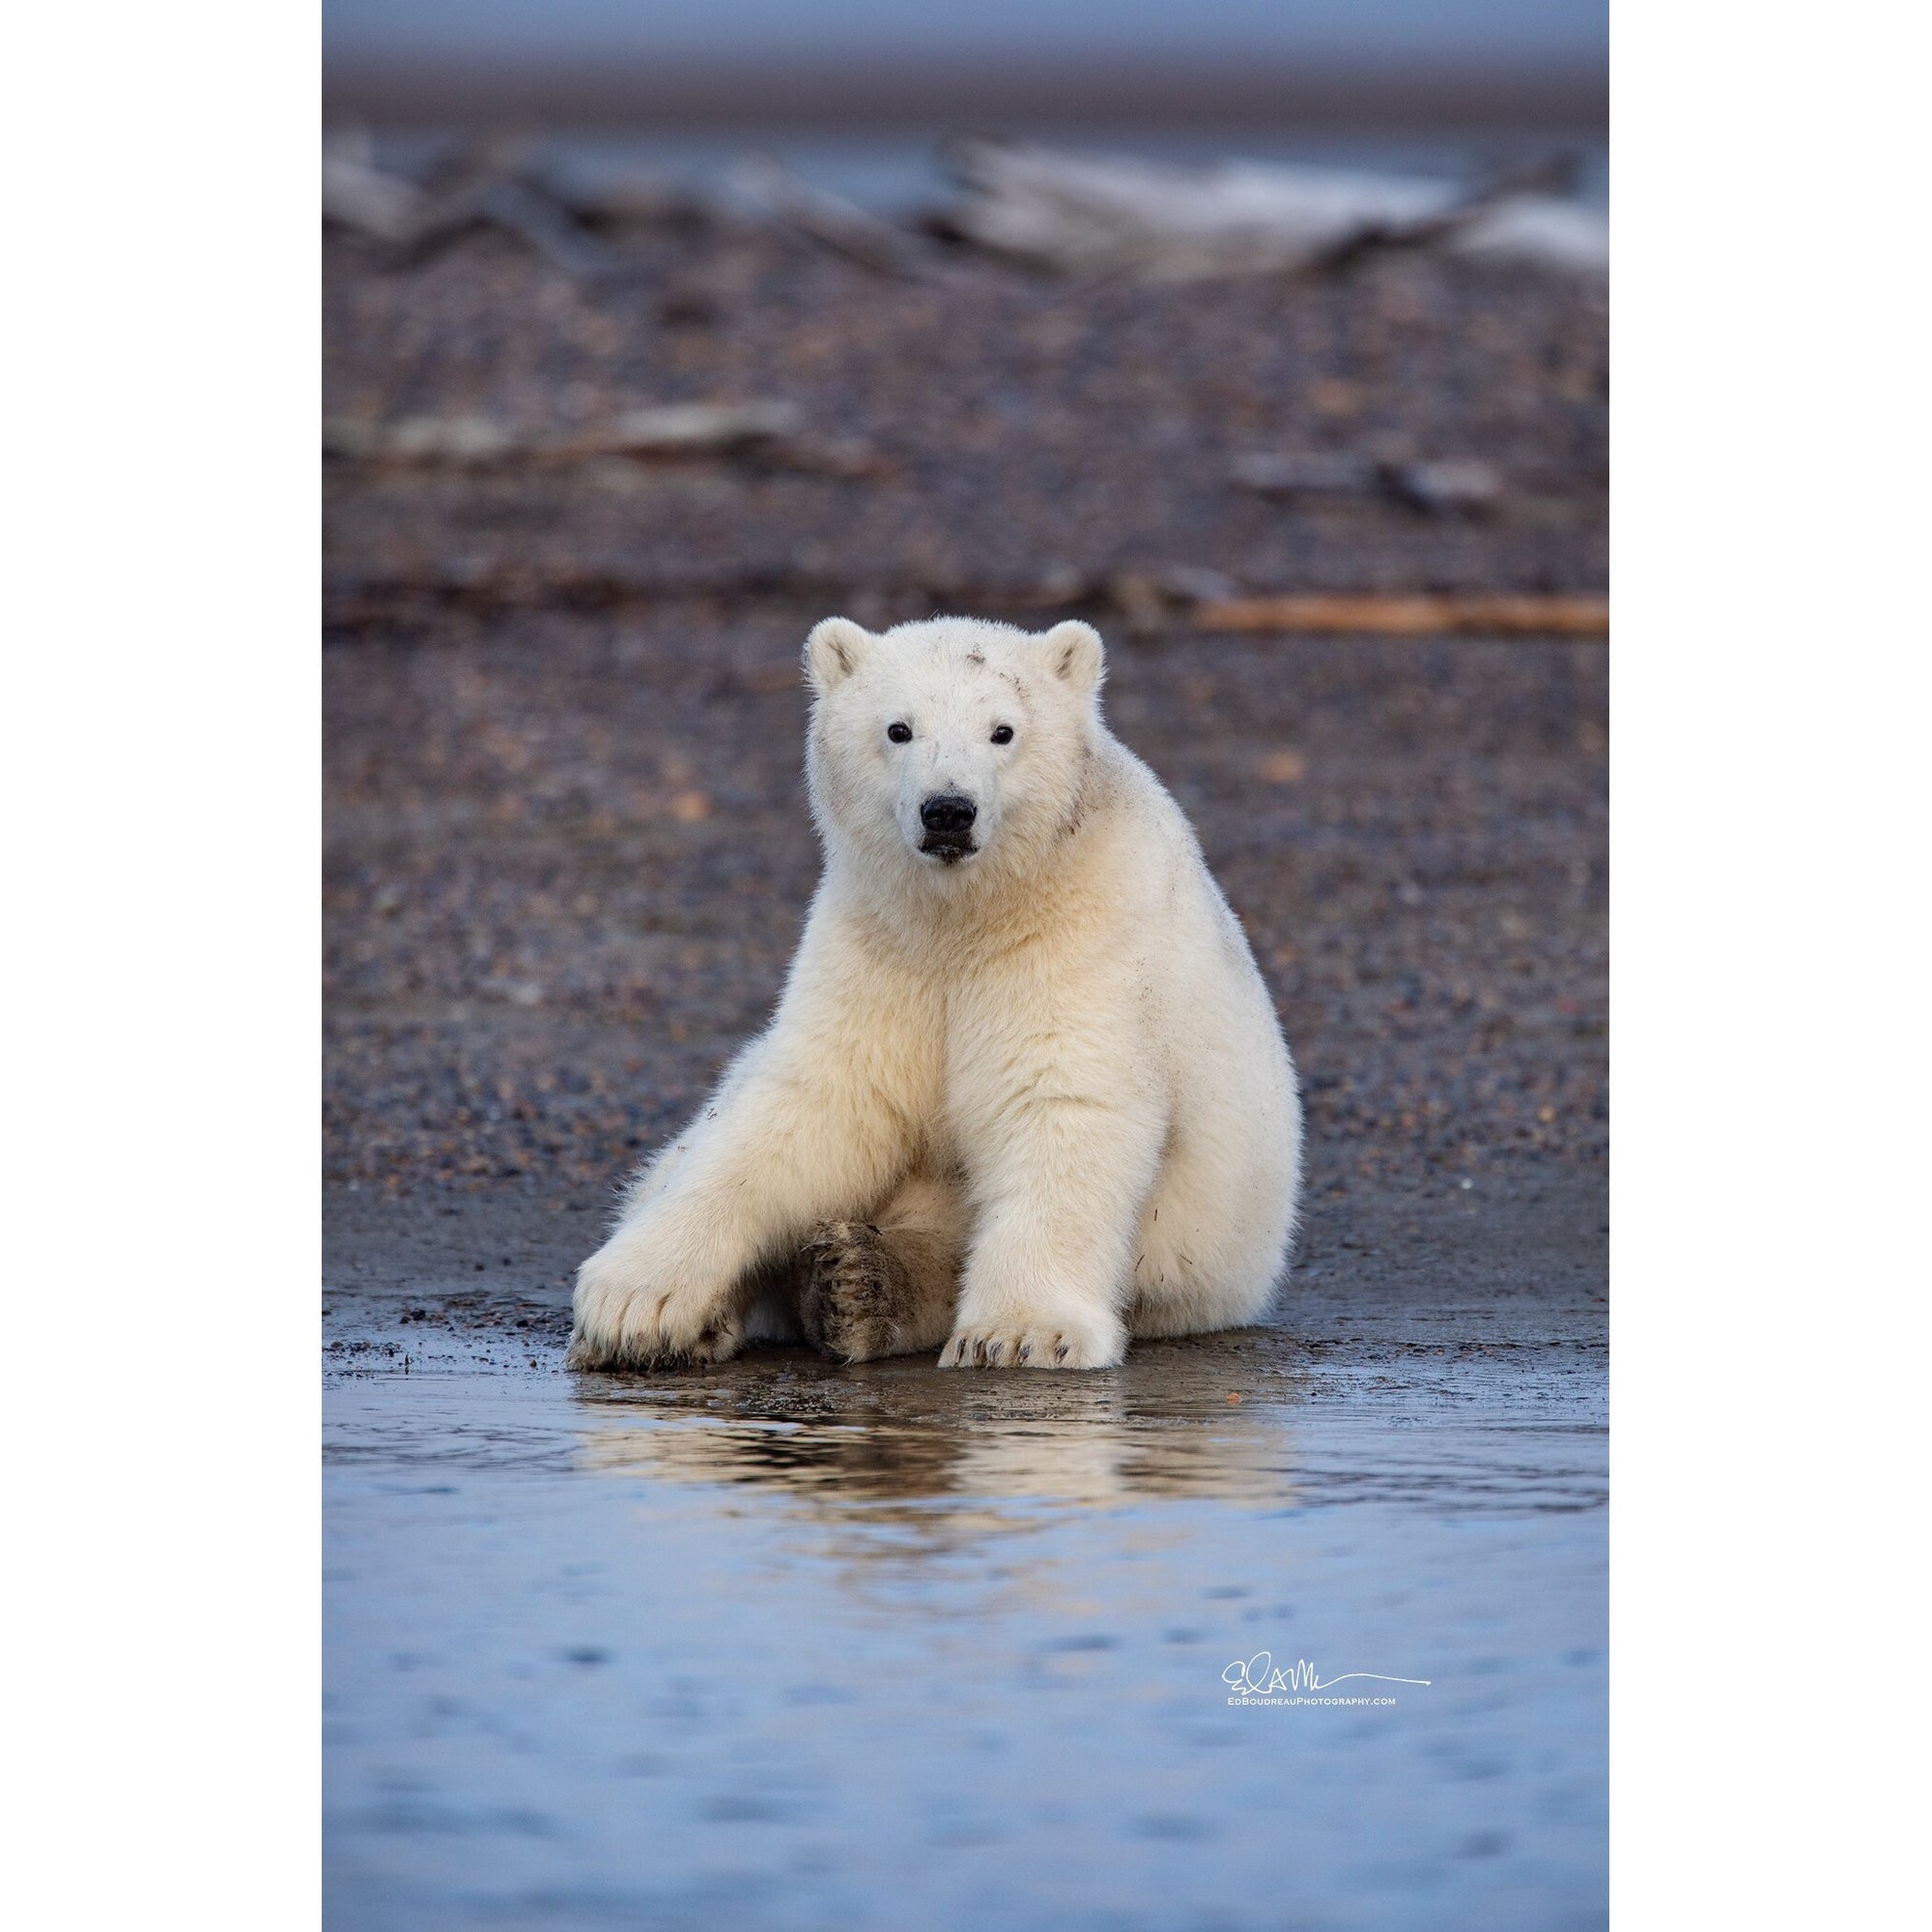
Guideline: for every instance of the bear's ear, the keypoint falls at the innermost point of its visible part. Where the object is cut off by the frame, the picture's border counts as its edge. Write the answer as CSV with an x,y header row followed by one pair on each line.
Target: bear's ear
x,y
835,650
1076,653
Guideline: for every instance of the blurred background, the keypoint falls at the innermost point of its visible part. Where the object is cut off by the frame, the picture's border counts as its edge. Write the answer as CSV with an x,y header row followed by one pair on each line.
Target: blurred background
x,y
853,91
625,60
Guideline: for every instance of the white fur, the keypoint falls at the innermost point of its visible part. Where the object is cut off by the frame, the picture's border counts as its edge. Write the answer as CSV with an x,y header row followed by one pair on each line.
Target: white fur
x,y
1057,1051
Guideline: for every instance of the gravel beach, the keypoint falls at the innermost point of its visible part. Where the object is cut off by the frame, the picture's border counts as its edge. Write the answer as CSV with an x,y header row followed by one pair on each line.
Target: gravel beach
x,y
978,433
568,859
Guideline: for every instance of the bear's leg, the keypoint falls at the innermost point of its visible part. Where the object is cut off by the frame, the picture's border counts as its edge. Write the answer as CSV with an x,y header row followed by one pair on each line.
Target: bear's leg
x,y
769,1158
814,1118
885,1288
1061,1191
1213,1239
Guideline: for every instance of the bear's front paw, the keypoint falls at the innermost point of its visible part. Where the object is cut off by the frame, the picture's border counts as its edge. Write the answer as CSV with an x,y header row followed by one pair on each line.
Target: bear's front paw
x,y
630,1316
1082,1340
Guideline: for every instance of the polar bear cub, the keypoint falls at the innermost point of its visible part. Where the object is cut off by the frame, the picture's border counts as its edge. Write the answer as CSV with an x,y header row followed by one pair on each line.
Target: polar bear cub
x,y
1025,1094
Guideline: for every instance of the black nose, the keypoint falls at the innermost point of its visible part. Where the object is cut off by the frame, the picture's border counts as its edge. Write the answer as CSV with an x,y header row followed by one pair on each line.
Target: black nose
x,y
946,812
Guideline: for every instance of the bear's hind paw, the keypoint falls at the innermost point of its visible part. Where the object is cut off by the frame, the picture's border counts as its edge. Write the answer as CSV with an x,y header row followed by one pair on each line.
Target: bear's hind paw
x,y
856,1296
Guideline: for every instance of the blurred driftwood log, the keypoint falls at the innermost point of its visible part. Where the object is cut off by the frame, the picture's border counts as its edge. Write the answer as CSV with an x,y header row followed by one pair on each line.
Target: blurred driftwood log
x,y
1090,215
768,430
1489,615
494,183
1443,485
1078,215
829,219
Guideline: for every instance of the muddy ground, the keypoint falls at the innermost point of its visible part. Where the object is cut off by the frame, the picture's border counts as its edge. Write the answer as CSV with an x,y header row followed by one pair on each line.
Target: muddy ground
x,y
785,1646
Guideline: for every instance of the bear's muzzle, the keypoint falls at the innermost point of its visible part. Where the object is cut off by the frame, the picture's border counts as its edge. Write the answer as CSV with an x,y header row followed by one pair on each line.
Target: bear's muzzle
x,y
947,817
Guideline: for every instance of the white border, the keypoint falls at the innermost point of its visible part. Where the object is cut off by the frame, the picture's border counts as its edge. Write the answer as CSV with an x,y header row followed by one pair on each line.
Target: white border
x,y
1769,1050
1769,843
162,777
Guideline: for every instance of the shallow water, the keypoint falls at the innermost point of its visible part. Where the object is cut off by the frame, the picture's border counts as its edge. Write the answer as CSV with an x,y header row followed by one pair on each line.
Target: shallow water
x,y
783,1646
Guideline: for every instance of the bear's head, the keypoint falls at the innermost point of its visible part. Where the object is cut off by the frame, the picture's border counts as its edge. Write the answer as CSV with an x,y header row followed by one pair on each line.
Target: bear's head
x,y
955,746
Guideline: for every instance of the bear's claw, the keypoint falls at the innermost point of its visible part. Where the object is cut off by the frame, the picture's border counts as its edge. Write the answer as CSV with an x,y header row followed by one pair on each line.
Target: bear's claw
x,y
1081,1343
625,1321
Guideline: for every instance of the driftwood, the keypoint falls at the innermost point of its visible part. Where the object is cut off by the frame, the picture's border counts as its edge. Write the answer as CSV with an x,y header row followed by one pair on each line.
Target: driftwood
x,y
677,429
768,431
829,219
1150,602
492,184
1538,230
357,196
1456,612
1079,215
1297,474
1444,486
1087,214
1447,486
499,182
1471,208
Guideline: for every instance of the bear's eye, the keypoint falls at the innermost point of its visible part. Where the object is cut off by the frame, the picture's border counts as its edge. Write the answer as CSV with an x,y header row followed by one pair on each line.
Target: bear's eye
x,y
1002,734
899,734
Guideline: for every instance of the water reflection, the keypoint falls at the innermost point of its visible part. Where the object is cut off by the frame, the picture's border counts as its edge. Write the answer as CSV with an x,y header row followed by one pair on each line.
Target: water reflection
x,y
894,1440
